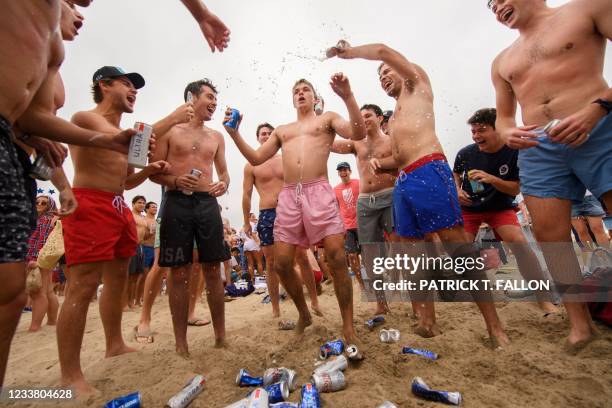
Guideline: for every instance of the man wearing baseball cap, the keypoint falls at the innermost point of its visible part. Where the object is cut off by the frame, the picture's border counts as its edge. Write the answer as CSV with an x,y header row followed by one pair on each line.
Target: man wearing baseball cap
x,y
100,237
346,195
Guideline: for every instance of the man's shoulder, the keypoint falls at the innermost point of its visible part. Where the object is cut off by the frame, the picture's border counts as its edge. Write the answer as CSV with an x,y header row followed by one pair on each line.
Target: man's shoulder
x,y
90,120
468,150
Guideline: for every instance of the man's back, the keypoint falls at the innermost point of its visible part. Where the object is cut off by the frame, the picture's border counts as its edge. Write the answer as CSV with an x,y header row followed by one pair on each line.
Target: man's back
x,y
558,65
30,42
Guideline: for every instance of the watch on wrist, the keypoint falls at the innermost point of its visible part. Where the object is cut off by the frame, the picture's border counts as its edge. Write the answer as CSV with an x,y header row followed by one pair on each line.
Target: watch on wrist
x,y
605,104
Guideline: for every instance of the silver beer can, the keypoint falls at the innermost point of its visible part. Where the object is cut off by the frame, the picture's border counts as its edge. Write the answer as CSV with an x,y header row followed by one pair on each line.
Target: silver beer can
x,y
329,381
274,375
337,364
138,154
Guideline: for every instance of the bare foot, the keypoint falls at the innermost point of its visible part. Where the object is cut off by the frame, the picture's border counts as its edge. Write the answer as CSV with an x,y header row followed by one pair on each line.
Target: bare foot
x,y
427,332
577,341
221,343
183,353
119,350
316,310
499,339
302,324
548,308
275,313
81,388
34,329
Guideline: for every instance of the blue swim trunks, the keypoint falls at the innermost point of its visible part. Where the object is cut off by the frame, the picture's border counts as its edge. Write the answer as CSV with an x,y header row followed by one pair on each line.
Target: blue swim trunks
x,y
265,226
553,170
425,198
149,256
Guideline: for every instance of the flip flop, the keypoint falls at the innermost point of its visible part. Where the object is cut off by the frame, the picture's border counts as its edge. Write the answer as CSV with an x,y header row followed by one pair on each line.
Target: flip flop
x,y
143,338
198,322
286,325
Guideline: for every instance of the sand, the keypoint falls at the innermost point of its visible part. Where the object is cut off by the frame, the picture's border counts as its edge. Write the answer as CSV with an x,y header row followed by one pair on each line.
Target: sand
x,y
533,372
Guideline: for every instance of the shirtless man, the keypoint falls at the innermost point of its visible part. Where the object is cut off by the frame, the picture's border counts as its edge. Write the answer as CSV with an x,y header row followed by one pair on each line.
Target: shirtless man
x,y
191,211
375,202
100,237
307,211
268,180
136,266
424,198
148,248
555,71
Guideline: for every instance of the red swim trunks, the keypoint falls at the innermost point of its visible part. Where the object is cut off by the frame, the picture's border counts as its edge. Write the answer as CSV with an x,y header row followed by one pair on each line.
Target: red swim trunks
x,y
101,229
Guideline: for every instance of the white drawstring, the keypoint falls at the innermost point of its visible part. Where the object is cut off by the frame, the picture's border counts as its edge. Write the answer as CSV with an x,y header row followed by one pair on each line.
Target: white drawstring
x,y
118,204
298,191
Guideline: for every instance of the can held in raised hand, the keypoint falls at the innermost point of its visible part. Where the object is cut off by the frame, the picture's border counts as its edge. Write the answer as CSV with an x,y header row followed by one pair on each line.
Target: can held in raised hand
x,y
310,397
244,379
389,335
273,375
329,381
337,364
420,352
258,399
138,155
188,393
419,388
194,172
375,321
127,401
331,348
234,118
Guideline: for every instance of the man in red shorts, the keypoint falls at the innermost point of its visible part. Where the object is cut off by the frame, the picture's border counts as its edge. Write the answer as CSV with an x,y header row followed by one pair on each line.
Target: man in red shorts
x,y
100,237
487,178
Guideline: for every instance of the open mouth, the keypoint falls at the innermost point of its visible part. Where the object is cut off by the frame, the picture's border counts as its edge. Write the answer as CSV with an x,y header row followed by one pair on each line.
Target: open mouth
x,y
301,99
131,99
387,84
505,14
211,109
479,142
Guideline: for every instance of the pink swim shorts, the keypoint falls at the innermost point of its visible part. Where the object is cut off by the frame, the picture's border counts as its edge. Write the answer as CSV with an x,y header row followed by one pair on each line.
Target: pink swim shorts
x,y
306,213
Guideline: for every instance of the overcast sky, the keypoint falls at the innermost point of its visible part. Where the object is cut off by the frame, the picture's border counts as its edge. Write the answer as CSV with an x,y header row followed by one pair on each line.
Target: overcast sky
x,y
275,42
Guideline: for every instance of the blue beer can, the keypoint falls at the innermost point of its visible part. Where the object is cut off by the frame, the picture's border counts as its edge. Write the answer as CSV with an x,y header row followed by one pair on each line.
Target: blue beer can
x,y
331,348
420,352
244,379
127,401
310,397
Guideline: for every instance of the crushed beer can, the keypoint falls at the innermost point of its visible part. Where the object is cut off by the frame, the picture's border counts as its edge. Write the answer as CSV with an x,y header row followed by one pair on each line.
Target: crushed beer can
x,y
353,353
273,375
188,393
310,397
419,388
331,348
245,379
420,352
389,335
337,364
258,399
375,321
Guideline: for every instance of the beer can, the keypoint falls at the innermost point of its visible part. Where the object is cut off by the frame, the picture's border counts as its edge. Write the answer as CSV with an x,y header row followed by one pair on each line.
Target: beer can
x,y
258,399
419,388
285,405
310,397
331,348
389,335
353,353
337,364
244,379
273,375
387,404
139,145
375,321
234,118
239,404
189,97
127,401
277,392
188,393
548,127
329,381
420,352
40,170
194,172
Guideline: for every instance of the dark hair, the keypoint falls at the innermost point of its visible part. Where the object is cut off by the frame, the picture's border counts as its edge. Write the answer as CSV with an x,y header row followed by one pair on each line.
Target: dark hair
x,y
96,91
485,116
149,204
263,125
372,107
305,81
139,197
196,87
235,249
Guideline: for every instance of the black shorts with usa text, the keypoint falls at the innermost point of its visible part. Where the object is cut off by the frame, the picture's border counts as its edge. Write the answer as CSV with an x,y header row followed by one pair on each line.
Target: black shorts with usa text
x,y
189,218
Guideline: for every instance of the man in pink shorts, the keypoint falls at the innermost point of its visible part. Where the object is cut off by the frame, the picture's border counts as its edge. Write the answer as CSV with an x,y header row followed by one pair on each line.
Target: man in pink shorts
x,y
307,211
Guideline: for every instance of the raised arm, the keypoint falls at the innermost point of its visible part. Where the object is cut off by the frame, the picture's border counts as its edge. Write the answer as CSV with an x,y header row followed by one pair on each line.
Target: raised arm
x,y
354,128
215,32
381,52
247,193
182,114
343,147
255,157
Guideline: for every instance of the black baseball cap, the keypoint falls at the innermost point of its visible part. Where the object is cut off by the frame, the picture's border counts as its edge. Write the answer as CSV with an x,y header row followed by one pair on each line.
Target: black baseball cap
x,y
113,72
343,165
387,114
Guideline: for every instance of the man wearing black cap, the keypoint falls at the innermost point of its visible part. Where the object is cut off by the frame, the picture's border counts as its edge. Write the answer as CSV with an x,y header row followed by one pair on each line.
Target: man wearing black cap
x,y
100,237
346,195
384,125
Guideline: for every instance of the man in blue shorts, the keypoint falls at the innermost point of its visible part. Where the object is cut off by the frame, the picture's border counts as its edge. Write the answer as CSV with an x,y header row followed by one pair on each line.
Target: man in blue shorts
x,y
563,80
425,197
